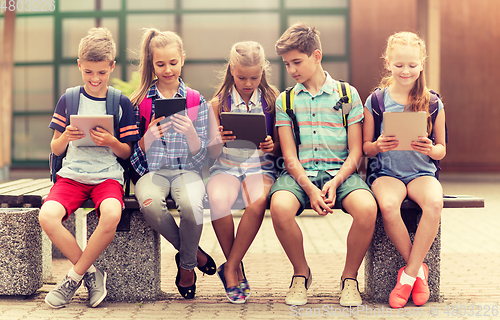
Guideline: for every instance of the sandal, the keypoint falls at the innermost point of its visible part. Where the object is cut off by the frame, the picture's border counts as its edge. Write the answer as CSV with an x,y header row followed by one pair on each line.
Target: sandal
x,y
186,292
209,268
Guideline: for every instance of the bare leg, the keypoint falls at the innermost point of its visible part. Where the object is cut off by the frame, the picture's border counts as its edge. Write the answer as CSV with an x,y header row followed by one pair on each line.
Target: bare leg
x,y
284,206
362,207
255,193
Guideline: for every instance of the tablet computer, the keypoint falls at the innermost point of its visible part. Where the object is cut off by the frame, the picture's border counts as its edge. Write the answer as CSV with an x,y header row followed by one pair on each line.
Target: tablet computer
x,y
405,126
249,129
168,107
86,122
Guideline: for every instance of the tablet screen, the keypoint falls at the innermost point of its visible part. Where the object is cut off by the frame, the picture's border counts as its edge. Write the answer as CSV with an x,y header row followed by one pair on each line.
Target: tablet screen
x,y
405,126
249,129
86,122
168,107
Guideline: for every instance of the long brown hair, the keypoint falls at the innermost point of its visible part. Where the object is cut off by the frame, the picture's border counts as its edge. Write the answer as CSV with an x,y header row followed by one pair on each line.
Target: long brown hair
x,y
419,96
152,39
245,54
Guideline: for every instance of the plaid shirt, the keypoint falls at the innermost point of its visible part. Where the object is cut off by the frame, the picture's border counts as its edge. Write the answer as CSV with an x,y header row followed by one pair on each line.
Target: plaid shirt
x,y
172,150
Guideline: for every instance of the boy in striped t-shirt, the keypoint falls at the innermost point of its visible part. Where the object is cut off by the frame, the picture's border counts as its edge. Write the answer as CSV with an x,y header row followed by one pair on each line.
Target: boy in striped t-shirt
x,y
322,168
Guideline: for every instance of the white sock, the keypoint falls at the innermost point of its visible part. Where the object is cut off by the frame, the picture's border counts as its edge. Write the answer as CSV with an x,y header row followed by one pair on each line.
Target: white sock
x,y
75,276
421,273
406,279
91,269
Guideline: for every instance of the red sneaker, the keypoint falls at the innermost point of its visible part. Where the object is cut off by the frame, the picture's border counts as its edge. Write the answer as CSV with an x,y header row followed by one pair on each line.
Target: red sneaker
x,y
400,294
420,293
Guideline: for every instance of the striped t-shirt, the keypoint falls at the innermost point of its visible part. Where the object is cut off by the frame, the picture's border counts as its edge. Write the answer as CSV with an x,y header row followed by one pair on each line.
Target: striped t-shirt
x,y
323,136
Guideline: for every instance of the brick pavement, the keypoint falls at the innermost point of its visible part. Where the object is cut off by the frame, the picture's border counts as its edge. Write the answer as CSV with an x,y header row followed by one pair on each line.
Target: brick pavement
x,y
470,276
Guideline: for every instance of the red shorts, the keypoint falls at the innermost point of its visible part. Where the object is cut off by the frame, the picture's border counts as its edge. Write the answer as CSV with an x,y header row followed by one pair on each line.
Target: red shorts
x,y
71,194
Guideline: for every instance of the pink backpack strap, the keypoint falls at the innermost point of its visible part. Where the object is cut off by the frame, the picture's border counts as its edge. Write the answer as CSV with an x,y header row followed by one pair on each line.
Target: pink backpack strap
x,y
193,103
145,108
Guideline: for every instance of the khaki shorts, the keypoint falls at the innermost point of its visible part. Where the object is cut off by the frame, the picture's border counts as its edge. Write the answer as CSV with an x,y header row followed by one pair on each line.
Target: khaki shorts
x,y
288,183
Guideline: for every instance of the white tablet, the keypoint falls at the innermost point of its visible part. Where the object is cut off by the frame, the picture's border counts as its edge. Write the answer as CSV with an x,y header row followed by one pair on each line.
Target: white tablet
x,y
405,126
85,123
249,129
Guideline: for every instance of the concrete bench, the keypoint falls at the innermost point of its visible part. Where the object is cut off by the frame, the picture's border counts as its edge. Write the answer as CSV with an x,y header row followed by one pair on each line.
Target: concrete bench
x,y
136,247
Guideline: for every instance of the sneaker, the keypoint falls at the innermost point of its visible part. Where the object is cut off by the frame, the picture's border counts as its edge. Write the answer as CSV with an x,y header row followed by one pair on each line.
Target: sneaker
x,y
349,294
62,294
95,282
297,294
420,293
400,294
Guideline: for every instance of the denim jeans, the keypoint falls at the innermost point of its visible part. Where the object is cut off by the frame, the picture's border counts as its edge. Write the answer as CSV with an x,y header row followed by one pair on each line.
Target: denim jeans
x,y
187,190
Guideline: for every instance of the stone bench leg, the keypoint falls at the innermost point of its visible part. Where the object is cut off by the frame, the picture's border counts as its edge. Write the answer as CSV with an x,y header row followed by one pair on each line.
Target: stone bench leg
x,y
383,261
132,260
20,252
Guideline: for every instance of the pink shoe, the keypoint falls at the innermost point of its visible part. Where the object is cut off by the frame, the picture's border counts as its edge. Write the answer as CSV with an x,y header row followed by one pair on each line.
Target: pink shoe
x,y
420,293
400,294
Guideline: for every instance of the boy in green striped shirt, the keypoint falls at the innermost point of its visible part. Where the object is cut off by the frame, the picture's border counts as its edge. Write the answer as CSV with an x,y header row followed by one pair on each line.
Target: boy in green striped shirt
x,y
322,168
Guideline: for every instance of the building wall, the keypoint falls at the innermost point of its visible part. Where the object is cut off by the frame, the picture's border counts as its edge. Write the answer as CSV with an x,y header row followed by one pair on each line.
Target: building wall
x,y
470,47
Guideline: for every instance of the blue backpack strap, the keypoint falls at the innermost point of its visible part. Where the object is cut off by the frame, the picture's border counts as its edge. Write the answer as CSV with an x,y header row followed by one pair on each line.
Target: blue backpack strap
x,y
269,117
113,107
72,102
378,107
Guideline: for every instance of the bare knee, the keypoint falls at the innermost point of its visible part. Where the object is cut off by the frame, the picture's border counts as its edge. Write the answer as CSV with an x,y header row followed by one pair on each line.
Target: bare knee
x,y
50,216
110,215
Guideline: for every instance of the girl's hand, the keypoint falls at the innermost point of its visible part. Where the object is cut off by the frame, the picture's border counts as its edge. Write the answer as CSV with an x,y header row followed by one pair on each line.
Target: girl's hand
x,y
73,133
385,144
155,131
268,145
183,125
423,145
226,135
101,137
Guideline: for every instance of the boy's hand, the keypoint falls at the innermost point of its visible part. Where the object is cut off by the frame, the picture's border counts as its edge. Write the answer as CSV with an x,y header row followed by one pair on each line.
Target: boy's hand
x,y
385,144
183,125
318,202
268,145
329,194
101,137
73,133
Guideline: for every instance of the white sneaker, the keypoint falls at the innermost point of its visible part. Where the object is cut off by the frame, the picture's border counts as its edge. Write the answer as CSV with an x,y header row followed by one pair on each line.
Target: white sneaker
x,y
349,294
297,294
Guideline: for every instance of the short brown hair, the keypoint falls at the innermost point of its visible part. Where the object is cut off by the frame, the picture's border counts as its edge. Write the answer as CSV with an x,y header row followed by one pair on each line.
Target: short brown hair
x,y
301,37
97,46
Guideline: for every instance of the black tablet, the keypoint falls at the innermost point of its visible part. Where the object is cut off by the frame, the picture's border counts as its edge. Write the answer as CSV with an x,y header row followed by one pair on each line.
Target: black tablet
x,y
168,107
249,129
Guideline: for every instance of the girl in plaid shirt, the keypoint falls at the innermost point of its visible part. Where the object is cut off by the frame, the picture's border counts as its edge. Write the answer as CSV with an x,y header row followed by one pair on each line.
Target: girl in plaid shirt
x,y
170,155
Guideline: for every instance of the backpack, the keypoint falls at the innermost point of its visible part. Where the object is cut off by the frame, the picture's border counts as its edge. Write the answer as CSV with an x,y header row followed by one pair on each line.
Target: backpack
x,y
344,103
192,101
72,104
378,107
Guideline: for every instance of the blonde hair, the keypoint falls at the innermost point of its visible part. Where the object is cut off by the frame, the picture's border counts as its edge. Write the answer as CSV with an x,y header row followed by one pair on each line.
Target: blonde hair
x,y
419,97
246,54
152,39
301,37
97,46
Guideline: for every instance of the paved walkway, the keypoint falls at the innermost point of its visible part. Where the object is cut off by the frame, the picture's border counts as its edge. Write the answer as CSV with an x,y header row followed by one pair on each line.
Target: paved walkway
x,y
470,277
